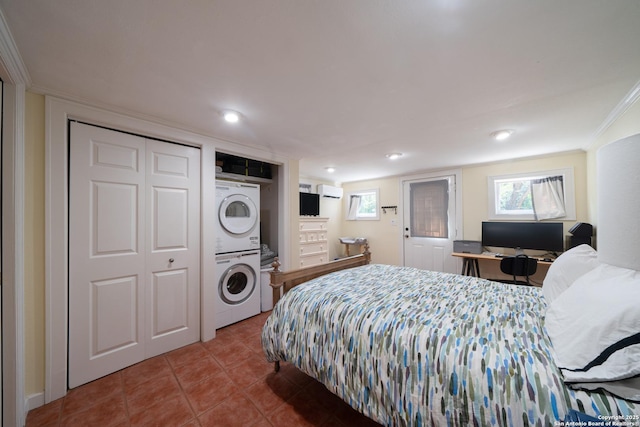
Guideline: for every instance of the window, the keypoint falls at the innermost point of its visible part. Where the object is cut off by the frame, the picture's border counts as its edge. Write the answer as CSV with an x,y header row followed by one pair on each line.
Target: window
x,y
511,196
362,205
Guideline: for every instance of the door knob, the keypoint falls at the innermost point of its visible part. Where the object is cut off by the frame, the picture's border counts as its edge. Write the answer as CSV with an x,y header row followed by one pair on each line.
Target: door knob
x,y
171,260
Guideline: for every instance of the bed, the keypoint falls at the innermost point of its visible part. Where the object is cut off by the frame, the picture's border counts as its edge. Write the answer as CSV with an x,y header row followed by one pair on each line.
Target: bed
x,y
410,347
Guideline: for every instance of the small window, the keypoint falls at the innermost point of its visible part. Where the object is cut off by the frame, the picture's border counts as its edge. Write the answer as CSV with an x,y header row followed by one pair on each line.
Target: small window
x,y
362,205
511,196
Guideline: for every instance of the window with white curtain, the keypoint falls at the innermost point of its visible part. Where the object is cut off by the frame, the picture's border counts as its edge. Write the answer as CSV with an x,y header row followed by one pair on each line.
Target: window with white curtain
x,y
533,196
362,205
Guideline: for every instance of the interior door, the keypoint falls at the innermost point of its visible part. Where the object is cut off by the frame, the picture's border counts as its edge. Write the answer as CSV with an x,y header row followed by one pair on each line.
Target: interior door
x,y
429,223
133,207
173,255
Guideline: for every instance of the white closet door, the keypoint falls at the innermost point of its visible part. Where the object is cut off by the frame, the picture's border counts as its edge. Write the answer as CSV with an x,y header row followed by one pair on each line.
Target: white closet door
x,y
173,238
106,252
134,205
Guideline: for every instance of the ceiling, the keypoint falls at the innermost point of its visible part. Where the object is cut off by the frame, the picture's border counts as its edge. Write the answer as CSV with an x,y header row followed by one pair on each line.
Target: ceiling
x,y
342,83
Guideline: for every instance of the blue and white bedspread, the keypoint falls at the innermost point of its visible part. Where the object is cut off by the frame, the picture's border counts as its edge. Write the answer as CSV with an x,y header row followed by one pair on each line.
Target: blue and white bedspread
x,y
410,347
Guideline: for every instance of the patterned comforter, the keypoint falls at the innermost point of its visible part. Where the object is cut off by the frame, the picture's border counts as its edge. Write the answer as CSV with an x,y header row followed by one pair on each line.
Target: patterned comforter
x,y
410,347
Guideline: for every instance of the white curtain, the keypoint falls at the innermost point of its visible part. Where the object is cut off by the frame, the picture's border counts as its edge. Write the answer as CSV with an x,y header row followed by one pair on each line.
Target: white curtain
x,y
354,205
547,195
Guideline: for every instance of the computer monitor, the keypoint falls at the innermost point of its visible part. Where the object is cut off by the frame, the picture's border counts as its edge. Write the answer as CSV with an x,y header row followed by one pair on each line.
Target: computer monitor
x,y
544,236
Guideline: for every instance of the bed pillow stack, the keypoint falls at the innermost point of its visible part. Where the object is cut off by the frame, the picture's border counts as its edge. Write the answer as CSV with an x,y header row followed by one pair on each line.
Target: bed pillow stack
x,y
594,326
567,268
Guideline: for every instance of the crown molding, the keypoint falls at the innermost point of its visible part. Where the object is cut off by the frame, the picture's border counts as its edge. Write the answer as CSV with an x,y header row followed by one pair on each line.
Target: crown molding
x,y
12,67
618,111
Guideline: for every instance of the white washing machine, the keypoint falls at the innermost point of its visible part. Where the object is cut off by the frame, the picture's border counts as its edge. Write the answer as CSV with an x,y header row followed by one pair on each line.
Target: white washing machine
x,y
238,287
238,210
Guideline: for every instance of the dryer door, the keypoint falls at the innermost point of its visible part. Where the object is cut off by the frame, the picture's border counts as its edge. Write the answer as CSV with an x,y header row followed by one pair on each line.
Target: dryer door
x,y
237,284
238,214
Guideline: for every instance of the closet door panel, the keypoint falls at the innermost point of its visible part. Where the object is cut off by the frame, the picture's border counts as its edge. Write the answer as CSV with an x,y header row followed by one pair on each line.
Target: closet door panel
x,y
106,252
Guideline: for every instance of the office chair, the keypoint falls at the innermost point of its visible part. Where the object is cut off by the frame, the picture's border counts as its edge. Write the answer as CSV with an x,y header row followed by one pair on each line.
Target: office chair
x,y
519,266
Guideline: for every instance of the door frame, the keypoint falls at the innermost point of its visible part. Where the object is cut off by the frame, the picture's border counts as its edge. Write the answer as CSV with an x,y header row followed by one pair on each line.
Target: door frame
x,y
458,201
57,114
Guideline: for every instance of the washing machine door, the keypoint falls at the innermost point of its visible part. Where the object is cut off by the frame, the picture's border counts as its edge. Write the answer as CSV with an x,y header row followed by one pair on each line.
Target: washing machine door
x,y
238,214
237,284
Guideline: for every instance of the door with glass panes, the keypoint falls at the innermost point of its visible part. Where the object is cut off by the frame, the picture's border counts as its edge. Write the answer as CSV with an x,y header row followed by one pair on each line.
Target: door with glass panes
x,y
430,223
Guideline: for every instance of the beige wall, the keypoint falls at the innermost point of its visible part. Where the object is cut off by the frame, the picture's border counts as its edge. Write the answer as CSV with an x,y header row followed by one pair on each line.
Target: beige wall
x,y
384,235
34,322
475,198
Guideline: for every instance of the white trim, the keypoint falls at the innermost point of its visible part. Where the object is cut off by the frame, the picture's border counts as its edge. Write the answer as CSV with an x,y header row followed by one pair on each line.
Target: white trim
x,y
13,411
569,194
347,202
11,60
16,80
618,111
33,401
58,111
459,209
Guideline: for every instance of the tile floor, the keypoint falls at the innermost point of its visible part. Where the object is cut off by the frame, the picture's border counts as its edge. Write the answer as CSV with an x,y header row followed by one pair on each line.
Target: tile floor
x,y
223,382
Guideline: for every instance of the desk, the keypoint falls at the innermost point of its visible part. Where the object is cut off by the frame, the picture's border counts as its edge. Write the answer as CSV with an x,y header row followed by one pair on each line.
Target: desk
x,y
471,267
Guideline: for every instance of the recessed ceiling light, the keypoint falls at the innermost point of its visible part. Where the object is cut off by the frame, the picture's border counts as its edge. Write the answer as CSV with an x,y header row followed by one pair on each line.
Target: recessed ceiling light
x,y
393,156
501,135
231,116
330,169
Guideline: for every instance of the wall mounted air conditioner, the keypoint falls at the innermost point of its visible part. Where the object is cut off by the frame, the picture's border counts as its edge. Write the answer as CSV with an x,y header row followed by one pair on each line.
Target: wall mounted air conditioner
x,y
329,191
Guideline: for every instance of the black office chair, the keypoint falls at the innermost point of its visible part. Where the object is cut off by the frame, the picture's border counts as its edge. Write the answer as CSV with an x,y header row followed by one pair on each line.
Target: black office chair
x,y
519,266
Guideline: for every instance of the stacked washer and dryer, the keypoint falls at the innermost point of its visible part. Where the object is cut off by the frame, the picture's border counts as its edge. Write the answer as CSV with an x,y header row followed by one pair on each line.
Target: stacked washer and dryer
x,y
237,252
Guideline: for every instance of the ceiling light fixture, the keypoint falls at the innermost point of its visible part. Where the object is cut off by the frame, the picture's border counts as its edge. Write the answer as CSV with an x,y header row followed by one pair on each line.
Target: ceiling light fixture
x,y
330,169
501,135
393,156
231,116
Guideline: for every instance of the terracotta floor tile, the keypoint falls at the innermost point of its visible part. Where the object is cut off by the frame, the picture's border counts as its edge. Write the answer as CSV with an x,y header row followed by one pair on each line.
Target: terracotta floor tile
x,y
148,394
262,422
210,392
237,411
186,354
271,392
299,411
145,371
110,412
46,415
223,382
294,375
254,342
231,354
89,394
197,370
249,370
170,412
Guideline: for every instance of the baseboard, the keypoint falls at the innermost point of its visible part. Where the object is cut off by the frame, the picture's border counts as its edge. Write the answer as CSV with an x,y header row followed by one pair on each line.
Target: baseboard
x,y
33,401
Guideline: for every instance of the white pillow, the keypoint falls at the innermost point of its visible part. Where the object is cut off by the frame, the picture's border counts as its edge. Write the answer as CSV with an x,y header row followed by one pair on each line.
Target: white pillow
x,y
594,326
627,389
567,268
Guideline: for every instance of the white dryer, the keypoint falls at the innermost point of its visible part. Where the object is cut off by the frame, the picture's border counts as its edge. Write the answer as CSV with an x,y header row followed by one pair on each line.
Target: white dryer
x,y
238,287
238,210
